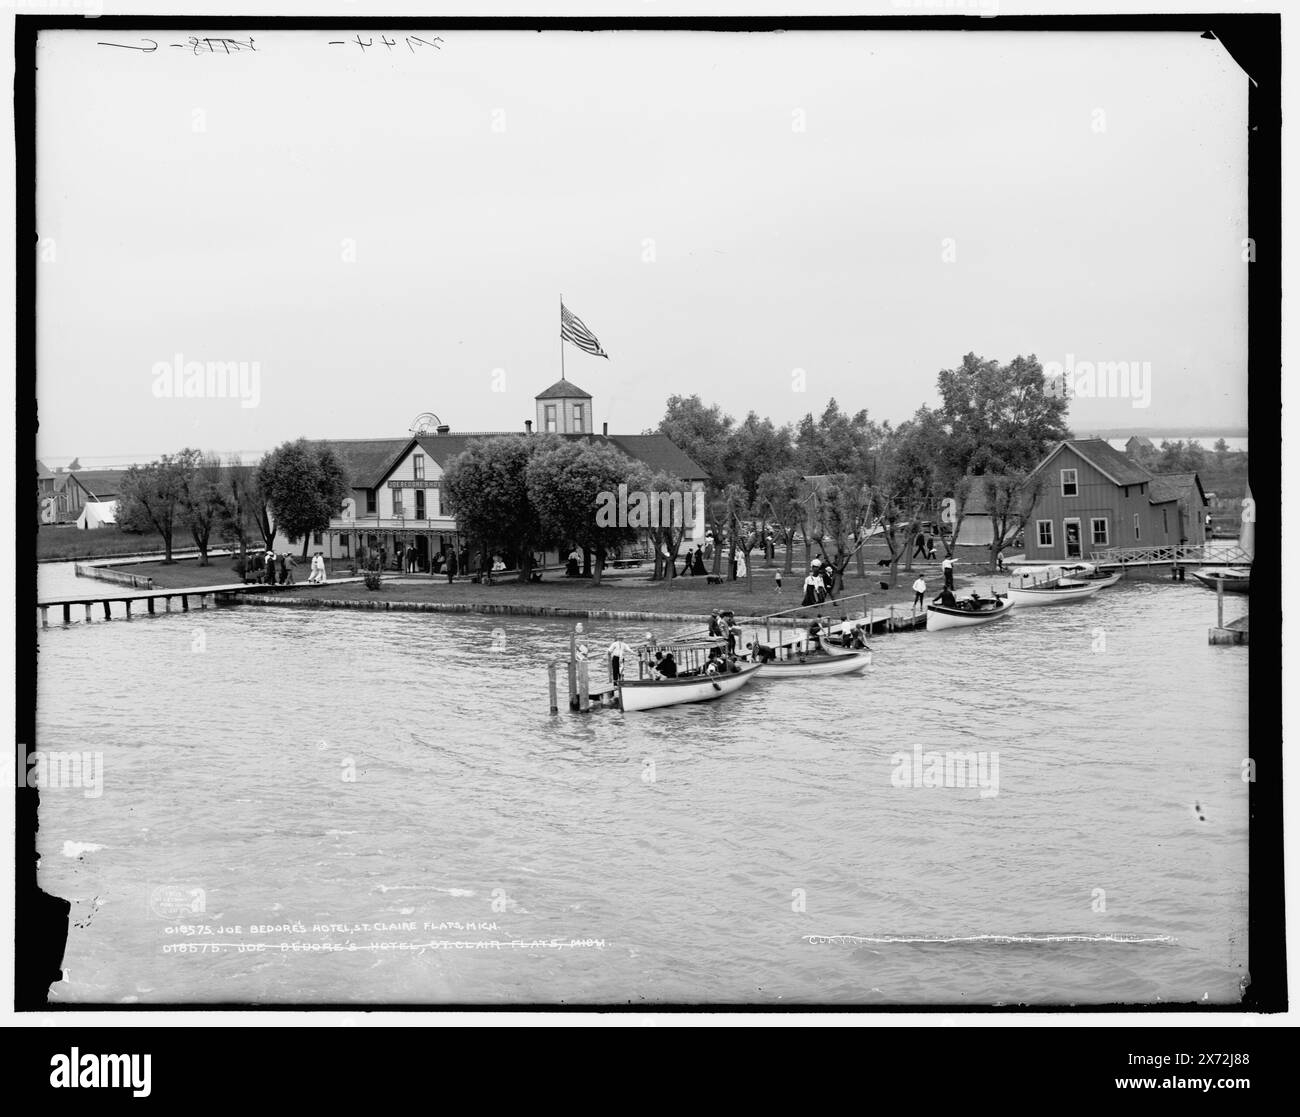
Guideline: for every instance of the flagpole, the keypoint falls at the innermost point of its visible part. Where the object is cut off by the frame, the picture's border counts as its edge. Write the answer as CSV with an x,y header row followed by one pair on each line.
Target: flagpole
x,y
561,335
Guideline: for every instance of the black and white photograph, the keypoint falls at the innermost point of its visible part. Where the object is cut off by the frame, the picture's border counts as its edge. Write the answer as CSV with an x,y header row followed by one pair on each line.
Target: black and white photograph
x,y
533,514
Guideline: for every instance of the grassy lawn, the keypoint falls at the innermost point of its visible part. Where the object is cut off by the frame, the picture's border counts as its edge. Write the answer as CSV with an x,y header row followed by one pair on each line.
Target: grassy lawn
x,y
187,572
633,593
68,543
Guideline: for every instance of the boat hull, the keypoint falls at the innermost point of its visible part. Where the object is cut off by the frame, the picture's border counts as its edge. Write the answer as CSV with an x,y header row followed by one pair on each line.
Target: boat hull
x,y
1234,581
653,694
837,663
940,617
1061,594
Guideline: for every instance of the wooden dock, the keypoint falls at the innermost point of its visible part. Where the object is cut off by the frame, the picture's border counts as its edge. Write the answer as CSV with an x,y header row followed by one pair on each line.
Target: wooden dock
x,y
203,596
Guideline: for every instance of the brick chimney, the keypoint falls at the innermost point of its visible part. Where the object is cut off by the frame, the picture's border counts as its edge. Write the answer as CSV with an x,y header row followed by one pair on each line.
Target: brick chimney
x,y
528,426
604,429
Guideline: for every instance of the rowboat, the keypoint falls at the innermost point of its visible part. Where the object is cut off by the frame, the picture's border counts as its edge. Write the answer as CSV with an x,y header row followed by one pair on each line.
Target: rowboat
x,y
1234,579
651,694
1062,592
939,617
1086,572
816,663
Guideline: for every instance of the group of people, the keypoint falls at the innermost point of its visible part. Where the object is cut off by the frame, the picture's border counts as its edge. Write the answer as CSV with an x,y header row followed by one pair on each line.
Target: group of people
x,y
818,585
269,569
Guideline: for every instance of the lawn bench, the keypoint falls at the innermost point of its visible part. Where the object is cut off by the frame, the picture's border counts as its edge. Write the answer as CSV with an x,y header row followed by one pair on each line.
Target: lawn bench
x,y
716,579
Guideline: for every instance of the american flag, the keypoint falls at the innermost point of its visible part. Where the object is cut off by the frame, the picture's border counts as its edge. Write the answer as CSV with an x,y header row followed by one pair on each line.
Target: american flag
x,y
573,330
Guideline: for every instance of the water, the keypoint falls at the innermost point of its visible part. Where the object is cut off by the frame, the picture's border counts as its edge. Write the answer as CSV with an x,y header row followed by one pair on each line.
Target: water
x,y
271,767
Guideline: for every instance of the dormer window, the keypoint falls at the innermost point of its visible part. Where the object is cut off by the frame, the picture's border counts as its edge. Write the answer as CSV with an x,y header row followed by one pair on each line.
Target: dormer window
x,y
418,462
1069,482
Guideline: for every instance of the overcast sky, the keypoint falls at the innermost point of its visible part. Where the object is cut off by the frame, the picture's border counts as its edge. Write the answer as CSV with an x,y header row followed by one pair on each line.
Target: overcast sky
x,y
720,209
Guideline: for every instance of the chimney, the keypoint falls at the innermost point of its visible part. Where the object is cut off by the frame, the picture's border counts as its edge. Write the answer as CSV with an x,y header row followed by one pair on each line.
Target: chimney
x,y
444,429
604,429
528,426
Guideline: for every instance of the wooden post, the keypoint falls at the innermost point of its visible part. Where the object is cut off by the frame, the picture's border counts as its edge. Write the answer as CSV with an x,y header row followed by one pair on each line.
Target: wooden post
x,y
128,608
149,602
203,601
871,621
185,603
107,615
1219,587
67,614
45,616
584,690
573,655
167,603
87,612
551,672
891,618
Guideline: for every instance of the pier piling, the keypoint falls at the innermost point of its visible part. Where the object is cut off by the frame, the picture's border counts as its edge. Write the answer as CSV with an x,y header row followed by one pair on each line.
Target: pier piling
x,y
552,673
45,617
67,614
87,612
584,688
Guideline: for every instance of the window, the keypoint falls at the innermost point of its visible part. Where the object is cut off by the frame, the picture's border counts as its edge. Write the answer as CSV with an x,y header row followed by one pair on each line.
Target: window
x,y
1044,533
419,504
1137,526
397,503
316,539
418,462
345,544
370,502
1164,515
1100,532
1069,482
550,417
577,417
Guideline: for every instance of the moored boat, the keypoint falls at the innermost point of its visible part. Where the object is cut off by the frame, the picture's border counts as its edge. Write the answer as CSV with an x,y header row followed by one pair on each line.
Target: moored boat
x,y
966,613
1060,593
651,694
1234,579
816,663
1086,572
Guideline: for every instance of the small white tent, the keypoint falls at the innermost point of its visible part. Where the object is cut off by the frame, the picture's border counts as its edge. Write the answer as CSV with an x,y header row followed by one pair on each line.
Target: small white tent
x,y
97,513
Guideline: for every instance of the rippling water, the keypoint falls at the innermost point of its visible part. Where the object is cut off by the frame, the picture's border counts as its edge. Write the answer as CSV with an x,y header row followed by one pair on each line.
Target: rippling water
x,y
275,767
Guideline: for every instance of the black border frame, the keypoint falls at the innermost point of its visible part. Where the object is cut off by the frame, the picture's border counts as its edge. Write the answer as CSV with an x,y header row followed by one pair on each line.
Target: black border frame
x,y
1253,40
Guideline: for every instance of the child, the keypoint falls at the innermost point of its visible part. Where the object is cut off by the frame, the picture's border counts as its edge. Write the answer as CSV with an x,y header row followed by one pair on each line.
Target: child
x,y
778,582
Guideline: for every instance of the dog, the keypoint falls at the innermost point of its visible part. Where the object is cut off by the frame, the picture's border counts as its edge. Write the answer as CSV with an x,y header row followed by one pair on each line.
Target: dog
x,y
885,562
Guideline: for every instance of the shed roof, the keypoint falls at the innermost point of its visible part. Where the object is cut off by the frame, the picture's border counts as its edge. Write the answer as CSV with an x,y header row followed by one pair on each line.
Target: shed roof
x,y
1118,467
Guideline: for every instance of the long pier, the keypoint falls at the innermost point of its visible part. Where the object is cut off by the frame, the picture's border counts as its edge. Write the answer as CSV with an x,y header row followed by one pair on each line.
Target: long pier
x,y
94,602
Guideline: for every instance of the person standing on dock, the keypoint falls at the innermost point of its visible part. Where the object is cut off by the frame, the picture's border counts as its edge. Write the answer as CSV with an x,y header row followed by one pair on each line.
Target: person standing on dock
x,y
619,652
918,591
947,573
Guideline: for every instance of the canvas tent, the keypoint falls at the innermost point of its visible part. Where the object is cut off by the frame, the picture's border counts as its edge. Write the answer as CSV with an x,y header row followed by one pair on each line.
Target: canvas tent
x,y
97,513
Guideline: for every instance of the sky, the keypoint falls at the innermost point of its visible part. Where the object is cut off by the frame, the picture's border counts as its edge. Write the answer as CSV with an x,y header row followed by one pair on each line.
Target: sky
x,y
766,220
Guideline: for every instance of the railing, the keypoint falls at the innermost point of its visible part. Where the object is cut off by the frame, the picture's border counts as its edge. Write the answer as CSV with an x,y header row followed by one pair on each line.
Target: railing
x,y
117,577
1190,553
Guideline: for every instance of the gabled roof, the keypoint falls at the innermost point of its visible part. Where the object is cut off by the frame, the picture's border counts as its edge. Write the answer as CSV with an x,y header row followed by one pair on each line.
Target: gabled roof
x,y
100,483
41,472
367,459
1102,456
563,389
1142,441
1175,486
660,452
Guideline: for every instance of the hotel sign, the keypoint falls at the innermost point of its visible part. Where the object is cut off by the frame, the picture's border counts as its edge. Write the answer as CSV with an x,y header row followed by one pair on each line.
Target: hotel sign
x,y
415,484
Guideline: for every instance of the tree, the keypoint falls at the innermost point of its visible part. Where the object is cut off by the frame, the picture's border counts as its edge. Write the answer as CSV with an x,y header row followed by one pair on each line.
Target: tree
x,y
305,487
151,498
673,503
758,447
836,443
243,510
489,489
571,484
1010,498
1177,457
842,507
911,483
704,433
998,418
781,495
202,505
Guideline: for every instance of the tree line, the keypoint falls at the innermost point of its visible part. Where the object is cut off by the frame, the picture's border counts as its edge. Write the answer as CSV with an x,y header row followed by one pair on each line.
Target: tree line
x,y
295,489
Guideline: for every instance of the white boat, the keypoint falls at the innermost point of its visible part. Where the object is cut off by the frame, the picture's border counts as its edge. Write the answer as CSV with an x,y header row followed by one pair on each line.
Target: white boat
x,y
651,694
1234,579
938,617
1062,592
1086,572
816,663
